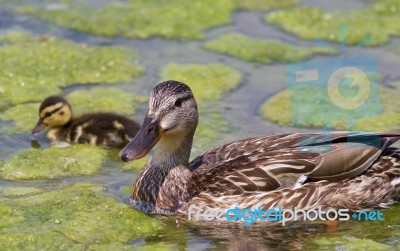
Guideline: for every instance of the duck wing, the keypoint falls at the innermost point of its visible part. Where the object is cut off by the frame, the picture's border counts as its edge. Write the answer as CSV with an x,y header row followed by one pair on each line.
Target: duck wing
x,y
284,161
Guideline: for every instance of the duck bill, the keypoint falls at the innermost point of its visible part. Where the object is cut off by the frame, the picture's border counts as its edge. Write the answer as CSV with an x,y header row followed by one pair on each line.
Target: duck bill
x,y
39,126
147,137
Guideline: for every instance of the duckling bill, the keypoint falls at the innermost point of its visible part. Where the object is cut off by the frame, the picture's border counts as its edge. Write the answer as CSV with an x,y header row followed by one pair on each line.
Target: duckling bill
x,y
102,128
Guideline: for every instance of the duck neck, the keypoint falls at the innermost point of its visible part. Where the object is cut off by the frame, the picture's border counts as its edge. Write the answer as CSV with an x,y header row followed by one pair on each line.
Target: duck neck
x,y
165,183
172,151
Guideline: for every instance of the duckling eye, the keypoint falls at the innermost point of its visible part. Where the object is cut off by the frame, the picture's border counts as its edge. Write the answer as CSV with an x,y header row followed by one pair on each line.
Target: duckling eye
x,y
47,114
178,102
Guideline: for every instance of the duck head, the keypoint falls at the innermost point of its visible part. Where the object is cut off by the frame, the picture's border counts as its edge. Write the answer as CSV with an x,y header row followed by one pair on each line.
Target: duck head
x,y
54,111
170,121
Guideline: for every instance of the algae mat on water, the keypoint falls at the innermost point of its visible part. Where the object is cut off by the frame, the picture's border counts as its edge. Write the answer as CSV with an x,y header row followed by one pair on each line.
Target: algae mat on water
x,y
363,235
207,81
261,50
19,191
78,217
264,4
175,19
102,100
372,26
33,68
96,99
277,109
135,165
347,243
53,162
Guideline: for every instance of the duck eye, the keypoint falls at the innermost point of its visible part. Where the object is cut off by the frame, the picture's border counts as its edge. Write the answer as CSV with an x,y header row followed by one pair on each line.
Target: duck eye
x,y
47,114
178,102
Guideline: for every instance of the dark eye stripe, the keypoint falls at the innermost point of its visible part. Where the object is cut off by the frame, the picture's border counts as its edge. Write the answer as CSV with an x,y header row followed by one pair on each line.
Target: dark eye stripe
x,y
182,99
48,114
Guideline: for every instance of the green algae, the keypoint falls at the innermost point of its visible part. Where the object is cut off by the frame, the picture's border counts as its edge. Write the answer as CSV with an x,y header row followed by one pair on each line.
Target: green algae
x,y
348,243
264,4
365,235
140,18
261,50
277,109
20,191
350,27
101,100
53,162
396,85
135,165
144,247
157,247
208,81
390,118
211,128
36,67
381,232
78,217
125,191
9,216
141,99
98,99
24,117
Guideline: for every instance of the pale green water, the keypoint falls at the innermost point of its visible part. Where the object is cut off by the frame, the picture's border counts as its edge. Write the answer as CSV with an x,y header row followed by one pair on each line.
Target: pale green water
x,y
238,108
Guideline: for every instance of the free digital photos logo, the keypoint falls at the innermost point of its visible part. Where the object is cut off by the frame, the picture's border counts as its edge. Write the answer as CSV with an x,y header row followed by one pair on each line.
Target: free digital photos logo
x,y
336,92
278,214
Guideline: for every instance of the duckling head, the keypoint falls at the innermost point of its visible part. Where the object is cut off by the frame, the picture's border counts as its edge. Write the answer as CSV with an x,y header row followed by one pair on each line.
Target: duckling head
x,y
54,111
171,118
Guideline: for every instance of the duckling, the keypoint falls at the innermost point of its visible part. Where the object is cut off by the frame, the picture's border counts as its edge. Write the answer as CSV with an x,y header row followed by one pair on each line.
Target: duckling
x,y
103,128
353,170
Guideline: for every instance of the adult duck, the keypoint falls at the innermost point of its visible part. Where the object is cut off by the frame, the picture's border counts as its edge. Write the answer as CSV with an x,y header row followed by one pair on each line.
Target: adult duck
x,y
353,170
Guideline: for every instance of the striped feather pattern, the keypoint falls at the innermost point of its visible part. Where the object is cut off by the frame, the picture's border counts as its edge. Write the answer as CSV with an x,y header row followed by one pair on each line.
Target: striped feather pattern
x,y
267,172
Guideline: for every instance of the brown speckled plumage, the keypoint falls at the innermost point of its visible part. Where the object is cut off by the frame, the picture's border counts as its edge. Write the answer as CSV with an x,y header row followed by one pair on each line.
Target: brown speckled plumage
x,y
354,170
103,128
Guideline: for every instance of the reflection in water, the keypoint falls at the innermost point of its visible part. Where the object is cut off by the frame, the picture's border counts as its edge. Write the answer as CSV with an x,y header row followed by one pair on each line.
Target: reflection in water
x,y
35,144
236,236
265,236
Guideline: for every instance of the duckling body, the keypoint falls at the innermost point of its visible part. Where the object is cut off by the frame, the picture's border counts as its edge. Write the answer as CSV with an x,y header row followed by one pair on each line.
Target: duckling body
x,y
103,128
351,170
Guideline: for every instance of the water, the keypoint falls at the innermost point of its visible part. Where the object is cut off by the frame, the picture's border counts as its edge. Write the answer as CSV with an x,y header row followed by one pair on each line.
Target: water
x,y
239,108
